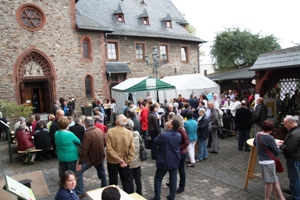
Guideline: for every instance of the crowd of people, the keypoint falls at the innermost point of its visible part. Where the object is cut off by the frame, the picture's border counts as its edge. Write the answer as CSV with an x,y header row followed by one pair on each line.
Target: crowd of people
x,y
179,137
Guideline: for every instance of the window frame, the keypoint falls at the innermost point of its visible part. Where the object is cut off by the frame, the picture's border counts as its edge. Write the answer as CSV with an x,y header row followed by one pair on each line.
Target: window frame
x,y
118,17
92,88
147,21
143,49
32,6
89,49
167,52
169,24
186,47
117,47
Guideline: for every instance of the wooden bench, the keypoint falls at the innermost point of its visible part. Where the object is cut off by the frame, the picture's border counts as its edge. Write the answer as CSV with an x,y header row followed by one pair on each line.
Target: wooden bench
x,y
28,152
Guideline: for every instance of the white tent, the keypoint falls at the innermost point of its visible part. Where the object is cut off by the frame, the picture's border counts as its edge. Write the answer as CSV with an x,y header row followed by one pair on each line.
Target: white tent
x,y
136,88
186,85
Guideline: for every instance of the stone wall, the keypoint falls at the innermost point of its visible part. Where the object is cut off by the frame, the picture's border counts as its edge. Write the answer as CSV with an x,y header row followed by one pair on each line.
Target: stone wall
x,y
140,69
61,43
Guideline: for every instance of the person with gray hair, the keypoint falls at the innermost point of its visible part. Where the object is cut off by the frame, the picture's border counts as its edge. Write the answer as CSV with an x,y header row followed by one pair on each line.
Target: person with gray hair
x,y
56,106
92,154
131,114
120,152
25,140
203,134
17,124
135,172
214,124
291,150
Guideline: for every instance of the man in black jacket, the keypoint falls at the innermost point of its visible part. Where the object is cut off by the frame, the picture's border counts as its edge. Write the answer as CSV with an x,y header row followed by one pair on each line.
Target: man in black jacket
x,y
54,127
260,114
291,150
153,128
78,129
243,125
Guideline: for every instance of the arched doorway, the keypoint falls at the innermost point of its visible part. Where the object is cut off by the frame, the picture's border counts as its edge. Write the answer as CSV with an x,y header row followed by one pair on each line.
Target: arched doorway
x,y
34,78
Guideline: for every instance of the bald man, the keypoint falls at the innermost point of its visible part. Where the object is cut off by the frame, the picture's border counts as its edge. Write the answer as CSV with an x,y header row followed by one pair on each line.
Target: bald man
x,y
54,127
120,152
291,150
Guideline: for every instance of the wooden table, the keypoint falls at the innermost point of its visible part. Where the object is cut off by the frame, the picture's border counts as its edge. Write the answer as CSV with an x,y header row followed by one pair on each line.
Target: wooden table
x,y
251,162
96,194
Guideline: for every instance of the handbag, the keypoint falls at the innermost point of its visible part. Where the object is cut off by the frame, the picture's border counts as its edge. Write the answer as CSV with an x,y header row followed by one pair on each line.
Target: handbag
x,y
279,167
143,152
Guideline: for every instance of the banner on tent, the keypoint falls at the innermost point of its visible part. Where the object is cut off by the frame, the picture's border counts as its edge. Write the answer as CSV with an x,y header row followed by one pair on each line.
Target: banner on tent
x,y
150,83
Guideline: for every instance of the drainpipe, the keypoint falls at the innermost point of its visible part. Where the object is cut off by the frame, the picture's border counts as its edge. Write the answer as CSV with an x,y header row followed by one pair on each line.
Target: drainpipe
x,y
200,45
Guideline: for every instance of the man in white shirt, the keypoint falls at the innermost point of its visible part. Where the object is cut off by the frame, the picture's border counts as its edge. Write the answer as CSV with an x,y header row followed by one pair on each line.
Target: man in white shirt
x,y
216,100
236,105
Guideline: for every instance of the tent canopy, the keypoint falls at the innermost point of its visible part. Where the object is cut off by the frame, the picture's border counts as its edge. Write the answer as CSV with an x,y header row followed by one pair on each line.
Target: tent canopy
x,y
136,88
188,84
142,84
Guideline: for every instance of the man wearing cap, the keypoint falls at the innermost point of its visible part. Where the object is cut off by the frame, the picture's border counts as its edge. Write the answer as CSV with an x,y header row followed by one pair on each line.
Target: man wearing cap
x,y
98,114
120,152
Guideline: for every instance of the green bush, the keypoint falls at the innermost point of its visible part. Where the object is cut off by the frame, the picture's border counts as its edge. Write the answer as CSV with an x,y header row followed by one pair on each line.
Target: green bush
x,y
13,111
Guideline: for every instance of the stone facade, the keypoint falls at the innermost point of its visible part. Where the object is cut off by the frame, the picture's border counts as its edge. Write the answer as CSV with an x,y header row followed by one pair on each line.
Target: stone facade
x,y
60,43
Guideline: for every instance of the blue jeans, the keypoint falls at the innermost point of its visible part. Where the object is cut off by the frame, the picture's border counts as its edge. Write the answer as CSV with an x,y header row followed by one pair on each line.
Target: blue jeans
x,y
181,170
244,135
100,172
159,175
293,169
202,149
153,135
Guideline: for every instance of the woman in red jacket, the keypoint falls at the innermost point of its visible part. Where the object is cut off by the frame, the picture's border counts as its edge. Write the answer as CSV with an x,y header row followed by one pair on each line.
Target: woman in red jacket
x,y
24,141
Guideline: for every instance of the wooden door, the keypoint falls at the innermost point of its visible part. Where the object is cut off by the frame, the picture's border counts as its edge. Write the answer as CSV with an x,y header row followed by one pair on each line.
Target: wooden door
x,y
26,94
42,100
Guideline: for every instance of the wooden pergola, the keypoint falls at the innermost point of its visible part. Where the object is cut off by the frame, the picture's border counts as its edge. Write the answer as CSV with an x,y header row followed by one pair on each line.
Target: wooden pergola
x,y
277,75
272,67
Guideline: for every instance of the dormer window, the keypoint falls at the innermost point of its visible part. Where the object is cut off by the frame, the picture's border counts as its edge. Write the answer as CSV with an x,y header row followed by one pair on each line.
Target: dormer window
x,y
119,14
168,21
145,18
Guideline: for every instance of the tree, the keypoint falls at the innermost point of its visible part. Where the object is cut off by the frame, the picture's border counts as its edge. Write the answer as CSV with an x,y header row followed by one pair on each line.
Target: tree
x,y
234,49
191,29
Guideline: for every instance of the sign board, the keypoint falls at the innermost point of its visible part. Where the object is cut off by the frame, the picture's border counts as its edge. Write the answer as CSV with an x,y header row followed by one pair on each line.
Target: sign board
x,y
18,189
150,83
271,104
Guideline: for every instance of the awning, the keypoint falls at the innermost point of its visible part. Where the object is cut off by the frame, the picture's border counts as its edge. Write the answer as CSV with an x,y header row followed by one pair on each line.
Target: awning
x,y
117,67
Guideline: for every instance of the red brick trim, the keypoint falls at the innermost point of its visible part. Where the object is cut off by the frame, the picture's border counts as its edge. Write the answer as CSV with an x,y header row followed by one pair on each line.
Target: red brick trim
x,y
37,9
90,50
92,85
48,67
73,14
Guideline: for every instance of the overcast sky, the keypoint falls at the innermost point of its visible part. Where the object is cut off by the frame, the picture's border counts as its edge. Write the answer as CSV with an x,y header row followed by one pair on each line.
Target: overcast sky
x,y
277,17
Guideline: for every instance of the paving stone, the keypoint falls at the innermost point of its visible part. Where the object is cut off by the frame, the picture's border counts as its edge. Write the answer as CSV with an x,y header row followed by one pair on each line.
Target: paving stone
x,y
221,176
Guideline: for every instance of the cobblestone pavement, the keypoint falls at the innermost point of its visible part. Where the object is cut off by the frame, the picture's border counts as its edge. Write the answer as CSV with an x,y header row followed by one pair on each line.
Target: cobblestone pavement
x,y
221,176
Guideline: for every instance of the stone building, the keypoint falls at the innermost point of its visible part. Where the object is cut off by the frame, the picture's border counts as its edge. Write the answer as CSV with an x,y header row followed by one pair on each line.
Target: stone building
x,y
80,49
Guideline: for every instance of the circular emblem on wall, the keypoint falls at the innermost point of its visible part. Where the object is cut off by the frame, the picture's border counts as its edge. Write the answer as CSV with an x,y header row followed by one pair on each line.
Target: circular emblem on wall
x,y
31,17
